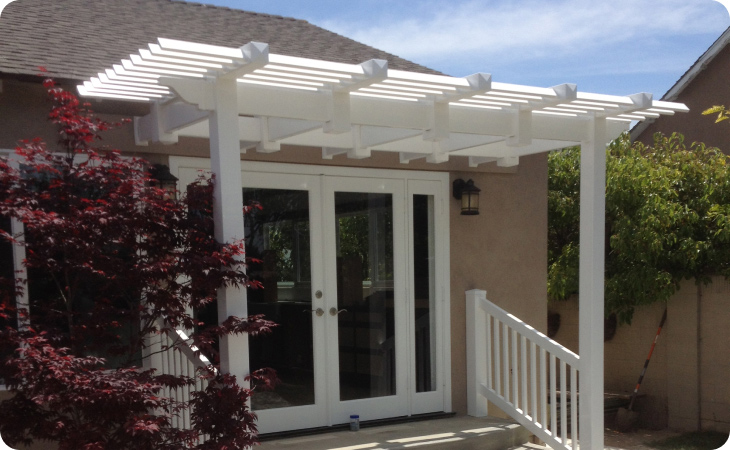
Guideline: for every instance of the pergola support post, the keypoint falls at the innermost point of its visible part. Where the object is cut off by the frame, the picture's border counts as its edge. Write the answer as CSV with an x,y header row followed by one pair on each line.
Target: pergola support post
x,y
225,163
591,283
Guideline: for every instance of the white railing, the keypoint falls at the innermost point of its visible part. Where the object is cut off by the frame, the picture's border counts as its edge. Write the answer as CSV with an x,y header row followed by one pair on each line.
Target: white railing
x,y
174,355
520,370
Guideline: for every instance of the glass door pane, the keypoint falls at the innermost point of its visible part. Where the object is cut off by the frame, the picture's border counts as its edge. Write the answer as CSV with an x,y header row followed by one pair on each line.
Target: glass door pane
x,y
278,237
424,283
365,294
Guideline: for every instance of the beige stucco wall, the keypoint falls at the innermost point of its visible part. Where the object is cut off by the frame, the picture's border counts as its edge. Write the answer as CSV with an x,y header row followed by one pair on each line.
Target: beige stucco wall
x,y
503,250
686,385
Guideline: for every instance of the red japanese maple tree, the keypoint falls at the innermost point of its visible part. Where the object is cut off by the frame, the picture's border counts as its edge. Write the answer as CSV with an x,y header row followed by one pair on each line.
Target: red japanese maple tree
x,y
112,260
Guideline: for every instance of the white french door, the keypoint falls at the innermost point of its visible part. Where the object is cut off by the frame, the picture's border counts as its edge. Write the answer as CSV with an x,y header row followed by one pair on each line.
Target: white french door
x,y
364,246
353,271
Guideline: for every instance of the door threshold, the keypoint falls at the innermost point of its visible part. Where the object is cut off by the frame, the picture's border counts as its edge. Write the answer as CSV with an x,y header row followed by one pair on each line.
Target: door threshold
x,y
346,426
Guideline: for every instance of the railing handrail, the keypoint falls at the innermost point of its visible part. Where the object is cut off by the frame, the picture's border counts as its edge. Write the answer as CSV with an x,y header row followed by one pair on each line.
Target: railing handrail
x,y
526,330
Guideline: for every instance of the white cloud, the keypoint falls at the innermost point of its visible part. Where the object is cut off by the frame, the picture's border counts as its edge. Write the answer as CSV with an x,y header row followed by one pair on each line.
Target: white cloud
x,y
514,31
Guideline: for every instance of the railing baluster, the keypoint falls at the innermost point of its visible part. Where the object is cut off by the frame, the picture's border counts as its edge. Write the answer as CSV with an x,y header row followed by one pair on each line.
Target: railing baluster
x,y
512,346
505,355
523,359
497,362
490,353
543,386
515,385
574,407
533,381
563,403
553,398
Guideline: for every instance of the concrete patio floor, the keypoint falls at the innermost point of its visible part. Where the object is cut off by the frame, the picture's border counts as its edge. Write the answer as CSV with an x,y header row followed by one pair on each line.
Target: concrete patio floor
x,y
449,433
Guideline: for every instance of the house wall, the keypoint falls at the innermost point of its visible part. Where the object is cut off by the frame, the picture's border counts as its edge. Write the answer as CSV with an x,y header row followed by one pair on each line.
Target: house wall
x,y
502,250
710,87
685,387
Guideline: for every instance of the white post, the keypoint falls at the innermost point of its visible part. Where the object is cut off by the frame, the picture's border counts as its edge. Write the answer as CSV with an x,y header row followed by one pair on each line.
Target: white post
x,y
476,353
225,161
590,288
21,299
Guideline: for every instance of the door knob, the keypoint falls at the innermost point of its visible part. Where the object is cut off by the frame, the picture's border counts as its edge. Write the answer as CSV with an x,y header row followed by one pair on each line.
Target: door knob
x,y
318,311
334,311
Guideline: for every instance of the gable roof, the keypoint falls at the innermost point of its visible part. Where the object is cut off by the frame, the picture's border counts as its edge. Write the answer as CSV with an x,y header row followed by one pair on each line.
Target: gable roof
x,y
686,79
75,39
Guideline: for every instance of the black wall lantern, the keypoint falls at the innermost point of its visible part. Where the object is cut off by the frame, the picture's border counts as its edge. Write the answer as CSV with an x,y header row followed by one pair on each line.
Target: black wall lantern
x,y
469,196
163,179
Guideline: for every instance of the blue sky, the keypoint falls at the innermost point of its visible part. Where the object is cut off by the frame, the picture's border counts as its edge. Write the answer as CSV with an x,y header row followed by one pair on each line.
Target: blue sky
x,y
612,47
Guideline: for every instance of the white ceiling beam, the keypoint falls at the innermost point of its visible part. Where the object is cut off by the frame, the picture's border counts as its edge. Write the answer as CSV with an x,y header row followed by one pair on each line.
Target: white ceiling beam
x,y
475,161
406,157
151,128
373,71
522,134
338,113
267,144
438,122
195,92
330,152
280,129
508,161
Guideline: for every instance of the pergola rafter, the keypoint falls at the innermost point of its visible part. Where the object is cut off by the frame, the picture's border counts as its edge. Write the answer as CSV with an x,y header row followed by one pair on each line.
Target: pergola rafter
x,y
356,109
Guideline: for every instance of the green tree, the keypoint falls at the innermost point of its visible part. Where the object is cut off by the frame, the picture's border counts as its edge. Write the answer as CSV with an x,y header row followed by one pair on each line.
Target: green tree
x,y
667,219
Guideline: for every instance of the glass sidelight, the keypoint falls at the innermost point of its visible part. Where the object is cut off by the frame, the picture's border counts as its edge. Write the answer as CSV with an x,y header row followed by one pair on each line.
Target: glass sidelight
x,y
365,295
424,287
278,238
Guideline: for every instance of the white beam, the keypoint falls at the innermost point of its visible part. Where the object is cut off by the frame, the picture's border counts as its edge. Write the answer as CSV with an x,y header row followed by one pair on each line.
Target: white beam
x,y
406,157
591,284
508,161
338,113
522,129
330,152
152,128
266,144
475,161
438,122
196,92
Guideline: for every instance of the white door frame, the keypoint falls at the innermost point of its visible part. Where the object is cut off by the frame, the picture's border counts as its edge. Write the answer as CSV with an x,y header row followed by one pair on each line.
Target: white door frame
x,y
413,182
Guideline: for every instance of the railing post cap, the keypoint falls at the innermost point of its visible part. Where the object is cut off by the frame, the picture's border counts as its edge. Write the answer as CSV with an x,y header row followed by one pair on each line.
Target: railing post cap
x,y
478,292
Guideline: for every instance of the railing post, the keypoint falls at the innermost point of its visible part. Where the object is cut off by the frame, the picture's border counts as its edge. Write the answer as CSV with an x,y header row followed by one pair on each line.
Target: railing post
x,y
476,353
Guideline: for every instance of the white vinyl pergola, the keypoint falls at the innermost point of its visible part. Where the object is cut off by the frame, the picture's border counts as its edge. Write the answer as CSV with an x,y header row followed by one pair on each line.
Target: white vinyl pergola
x,y
246,98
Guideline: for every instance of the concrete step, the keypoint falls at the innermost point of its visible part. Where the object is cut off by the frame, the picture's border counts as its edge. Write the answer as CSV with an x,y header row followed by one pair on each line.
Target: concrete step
x,y
455,433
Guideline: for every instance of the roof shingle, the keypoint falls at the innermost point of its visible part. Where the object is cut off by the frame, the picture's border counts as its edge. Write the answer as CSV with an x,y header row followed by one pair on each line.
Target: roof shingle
x,y
75,39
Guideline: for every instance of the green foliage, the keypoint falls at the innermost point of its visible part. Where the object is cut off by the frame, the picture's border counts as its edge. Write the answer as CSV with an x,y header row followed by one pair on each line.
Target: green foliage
x,y
667,219
722,113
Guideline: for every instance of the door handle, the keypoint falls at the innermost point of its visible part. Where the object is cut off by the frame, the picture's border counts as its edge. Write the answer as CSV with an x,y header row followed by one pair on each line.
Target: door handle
x,y
334,311
318,311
